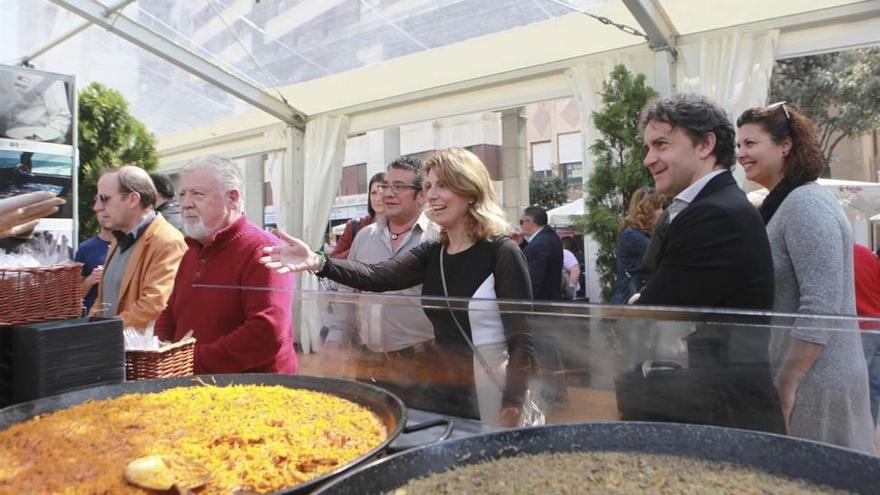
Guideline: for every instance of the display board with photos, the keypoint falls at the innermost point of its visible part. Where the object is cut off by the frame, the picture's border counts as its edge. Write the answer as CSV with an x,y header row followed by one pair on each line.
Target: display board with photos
x,y
37,150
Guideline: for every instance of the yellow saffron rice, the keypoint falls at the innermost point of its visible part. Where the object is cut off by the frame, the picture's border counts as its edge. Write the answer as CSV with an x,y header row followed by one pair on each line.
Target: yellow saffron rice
x,y
259,438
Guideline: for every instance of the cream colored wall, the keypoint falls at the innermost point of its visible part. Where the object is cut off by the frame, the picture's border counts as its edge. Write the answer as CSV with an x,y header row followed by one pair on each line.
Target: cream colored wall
x,y
854,159
547,120
461,131
228,140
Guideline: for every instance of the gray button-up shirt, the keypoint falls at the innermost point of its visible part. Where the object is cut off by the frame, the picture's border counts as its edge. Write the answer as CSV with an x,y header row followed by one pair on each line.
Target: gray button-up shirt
x,y
389,326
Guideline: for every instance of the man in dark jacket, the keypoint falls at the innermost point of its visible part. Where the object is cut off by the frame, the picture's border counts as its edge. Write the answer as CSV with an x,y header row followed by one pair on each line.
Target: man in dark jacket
x,y
714,249
165,202
543,251
710,248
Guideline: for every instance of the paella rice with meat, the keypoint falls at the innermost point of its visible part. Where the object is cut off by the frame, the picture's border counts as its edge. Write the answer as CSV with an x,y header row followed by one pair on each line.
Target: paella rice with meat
x,y
251,437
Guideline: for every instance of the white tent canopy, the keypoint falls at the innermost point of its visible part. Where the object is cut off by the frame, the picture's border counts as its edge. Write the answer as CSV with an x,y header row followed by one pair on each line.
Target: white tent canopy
x,y
562,215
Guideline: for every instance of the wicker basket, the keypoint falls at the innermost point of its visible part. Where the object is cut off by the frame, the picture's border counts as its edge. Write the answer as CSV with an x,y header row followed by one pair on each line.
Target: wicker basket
x,y
173,360
29,295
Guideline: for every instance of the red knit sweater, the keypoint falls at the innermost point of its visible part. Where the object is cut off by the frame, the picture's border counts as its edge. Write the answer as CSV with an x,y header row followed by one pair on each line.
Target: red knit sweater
x,y
236,329
867,280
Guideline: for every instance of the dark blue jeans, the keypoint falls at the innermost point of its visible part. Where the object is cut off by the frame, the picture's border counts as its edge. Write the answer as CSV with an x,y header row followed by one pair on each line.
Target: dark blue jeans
x,y
871,344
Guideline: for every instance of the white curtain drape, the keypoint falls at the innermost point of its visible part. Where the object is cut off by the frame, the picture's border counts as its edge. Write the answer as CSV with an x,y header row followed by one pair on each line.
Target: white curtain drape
x,y
324,153
586,83
275,173
733,70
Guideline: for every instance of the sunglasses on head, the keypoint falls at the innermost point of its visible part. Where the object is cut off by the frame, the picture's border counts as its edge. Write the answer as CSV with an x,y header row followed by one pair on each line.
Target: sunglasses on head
x,y
778,104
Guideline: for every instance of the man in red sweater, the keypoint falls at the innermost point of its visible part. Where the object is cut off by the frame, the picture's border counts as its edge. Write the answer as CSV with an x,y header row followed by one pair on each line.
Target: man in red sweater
x,y
219,291
866,267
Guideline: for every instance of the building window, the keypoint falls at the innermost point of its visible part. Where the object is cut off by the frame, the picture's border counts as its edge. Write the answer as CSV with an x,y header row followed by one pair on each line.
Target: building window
x,y
574,174
542,161
354,180
571,158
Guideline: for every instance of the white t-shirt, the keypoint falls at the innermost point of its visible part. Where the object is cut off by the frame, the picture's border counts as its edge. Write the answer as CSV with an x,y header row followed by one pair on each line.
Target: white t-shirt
x,y
569,261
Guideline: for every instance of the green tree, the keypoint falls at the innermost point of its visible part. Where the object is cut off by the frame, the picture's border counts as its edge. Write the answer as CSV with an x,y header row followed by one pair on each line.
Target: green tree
x,y
618,170
109,136
547,192
839,92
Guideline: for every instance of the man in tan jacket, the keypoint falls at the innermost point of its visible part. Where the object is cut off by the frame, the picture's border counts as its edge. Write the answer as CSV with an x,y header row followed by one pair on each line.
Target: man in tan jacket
x,y
143,256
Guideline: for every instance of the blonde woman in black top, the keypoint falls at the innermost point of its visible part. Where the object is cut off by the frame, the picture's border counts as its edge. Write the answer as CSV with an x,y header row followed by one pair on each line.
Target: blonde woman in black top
x,y
478,261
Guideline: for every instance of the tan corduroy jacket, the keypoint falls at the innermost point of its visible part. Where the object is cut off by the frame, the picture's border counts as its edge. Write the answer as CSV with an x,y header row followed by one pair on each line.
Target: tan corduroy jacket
x,y
149,276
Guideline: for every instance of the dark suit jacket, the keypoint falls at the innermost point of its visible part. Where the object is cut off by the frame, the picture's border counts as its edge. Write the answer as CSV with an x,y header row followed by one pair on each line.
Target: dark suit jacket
x,y
544,254
715,253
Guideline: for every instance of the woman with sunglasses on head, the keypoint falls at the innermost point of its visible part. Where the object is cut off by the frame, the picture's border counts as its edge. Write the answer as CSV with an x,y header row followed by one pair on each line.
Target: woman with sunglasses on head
x,y
474,258
820,374
645,208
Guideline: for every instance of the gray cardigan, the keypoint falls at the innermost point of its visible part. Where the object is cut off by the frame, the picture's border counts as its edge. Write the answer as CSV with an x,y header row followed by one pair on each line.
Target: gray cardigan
x,y
812,248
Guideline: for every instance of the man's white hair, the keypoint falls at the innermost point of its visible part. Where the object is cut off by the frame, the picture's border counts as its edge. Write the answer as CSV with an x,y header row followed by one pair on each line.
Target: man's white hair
x,y
226,171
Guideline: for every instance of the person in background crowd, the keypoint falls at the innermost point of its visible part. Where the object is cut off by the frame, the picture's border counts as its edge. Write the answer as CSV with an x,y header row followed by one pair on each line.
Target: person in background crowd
x,y
239,313
166,204
544,253
571,266
143,256
375,211
339,248
866,268
389,341
820,374
645,208
709,249
92,253
575,244
474,258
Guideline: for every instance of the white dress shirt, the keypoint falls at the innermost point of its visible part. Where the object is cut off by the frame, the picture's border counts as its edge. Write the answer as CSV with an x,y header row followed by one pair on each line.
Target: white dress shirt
x,y
683,199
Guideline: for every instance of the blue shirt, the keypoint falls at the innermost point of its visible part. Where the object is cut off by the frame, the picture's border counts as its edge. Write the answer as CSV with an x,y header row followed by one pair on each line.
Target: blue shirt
x,y
91,253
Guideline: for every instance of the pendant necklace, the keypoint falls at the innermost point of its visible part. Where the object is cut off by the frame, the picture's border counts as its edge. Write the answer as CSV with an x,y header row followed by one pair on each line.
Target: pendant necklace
x,y
395,235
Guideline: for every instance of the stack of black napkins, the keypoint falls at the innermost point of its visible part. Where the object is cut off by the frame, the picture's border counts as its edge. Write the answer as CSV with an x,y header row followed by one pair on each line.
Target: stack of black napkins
x,y
55,357
5,365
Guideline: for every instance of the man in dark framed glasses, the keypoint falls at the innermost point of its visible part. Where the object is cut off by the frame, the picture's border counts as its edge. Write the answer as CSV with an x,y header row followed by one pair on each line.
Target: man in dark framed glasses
x,y
390,346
